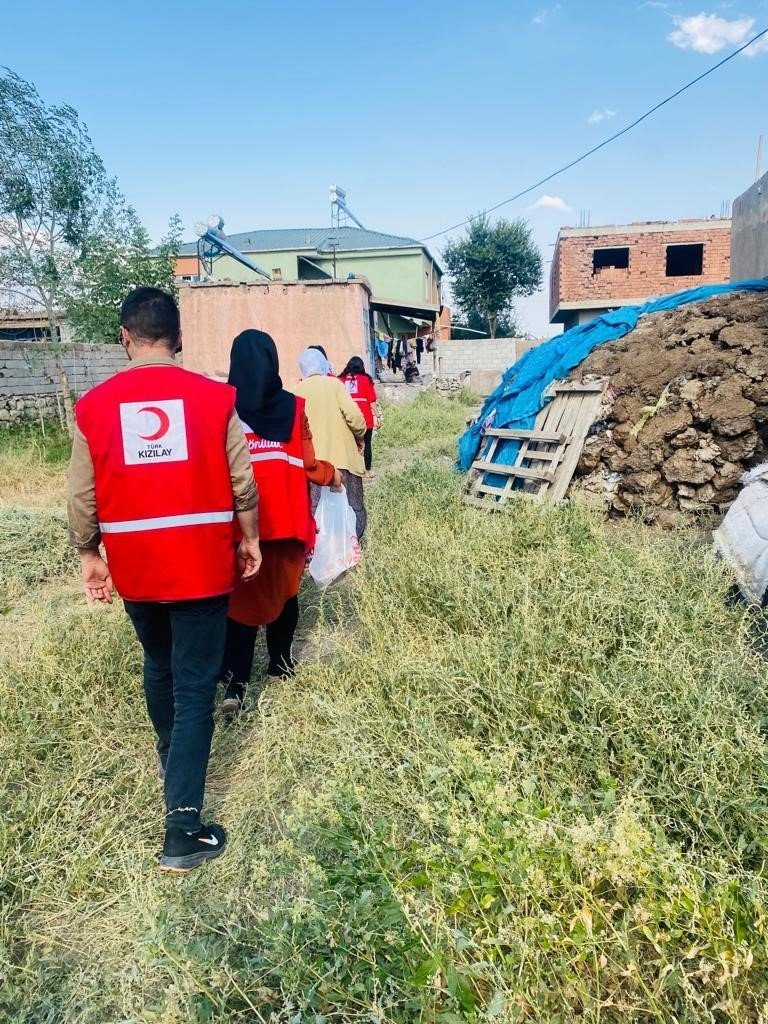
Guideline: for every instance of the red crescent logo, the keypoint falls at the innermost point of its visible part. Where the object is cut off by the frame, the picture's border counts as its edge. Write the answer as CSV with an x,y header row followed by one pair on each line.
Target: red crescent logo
x,y
164,423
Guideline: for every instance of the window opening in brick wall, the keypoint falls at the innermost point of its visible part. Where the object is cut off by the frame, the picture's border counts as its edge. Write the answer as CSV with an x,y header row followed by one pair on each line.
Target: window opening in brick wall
x,y
685,260
603,259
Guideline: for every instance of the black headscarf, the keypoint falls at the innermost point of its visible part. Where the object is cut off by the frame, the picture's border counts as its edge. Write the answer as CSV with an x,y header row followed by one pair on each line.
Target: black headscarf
x,y
261,401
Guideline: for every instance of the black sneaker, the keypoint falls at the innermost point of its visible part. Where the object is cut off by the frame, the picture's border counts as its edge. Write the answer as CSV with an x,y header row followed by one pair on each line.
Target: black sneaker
x,y
183,851
234,698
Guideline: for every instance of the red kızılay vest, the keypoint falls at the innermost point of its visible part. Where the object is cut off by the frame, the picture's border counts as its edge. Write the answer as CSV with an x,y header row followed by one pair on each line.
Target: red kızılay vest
x,y
278,469
157,435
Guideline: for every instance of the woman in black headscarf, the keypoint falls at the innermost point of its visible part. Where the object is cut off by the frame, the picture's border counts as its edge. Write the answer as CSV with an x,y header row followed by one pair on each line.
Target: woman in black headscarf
x,y
283,461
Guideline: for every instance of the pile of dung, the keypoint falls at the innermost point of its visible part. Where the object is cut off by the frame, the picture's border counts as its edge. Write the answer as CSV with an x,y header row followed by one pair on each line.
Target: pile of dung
x,y
686,410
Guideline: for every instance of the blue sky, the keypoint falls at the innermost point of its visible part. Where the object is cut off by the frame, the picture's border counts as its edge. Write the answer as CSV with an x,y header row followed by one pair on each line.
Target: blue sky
x,y
424,111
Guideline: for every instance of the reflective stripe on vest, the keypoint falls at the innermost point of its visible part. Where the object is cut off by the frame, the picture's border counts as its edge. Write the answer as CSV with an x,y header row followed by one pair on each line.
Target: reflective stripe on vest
x,y
282,456
281,479
163,486
166,522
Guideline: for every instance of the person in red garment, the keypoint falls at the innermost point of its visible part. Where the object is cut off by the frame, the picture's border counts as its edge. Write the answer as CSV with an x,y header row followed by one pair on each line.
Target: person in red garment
x,y
283,462
159,471
362,390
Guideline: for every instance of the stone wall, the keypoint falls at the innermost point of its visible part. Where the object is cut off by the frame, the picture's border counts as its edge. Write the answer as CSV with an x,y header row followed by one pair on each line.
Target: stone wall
x,y
29,381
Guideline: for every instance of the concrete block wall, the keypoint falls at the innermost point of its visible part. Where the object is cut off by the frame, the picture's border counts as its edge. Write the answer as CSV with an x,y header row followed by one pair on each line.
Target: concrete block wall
x,y
492,354
749,237
479,363
29,381
573,278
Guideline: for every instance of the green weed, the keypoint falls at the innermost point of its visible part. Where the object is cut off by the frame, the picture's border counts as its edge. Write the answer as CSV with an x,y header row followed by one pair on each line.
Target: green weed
x,y
520,776
52,446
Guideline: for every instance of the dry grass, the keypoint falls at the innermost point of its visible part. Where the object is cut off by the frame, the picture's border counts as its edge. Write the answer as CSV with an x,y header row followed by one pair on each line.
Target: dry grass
x,y
33,468
528,785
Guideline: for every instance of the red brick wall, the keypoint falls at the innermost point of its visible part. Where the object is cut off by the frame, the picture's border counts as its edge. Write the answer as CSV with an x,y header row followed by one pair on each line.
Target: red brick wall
x,y
572,278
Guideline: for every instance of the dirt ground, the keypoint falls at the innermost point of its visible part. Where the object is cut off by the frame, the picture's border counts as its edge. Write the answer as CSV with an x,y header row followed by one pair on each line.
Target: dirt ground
x,y
686,409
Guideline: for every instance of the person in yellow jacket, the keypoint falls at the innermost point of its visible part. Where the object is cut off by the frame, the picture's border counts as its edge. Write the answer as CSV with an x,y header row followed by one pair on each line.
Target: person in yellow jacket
x,y
338,429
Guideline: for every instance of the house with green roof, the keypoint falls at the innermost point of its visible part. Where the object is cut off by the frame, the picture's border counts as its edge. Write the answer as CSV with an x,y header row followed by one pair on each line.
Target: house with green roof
x,y
404,276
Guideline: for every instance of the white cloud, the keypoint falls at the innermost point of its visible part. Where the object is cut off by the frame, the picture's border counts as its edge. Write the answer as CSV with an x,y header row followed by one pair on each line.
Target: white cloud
x,y
709,33
761,46
601,115
551,203
545,14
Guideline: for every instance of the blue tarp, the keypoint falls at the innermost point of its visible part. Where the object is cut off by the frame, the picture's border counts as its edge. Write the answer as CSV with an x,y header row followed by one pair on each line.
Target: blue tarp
x,y
519,398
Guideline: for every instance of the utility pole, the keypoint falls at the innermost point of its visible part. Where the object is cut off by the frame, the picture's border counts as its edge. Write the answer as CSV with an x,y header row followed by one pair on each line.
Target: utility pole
x,y
759,164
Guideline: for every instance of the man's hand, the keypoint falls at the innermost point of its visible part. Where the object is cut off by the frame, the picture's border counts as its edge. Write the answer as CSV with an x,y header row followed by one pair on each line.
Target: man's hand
x,y
360,444
97,582
249,558
336,484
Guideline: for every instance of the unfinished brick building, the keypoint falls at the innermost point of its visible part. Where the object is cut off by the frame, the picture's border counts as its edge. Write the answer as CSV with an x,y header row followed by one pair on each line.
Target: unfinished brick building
x,y
596,269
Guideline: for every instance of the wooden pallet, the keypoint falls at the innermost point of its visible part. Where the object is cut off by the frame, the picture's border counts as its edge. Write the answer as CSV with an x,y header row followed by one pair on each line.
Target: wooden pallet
x,y
548,454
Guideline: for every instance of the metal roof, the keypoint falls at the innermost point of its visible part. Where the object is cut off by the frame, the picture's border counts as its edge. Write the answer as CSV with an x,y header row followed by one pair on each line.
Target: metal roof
x,y
274,240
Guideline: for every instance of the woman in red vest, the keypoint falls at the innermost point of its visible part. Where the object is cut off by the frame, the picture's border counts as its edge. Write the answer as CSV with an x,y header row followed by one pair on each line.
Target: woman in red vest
x,y
283,462
362,391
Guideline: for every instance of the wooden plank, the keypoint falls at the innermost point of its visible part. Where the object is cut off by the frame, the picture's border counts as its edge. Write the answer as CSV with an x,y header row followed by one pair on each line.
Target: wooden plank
x,y
588,412
498,469
538,454
526,435
556,416
497,492
490,451
556,442
523,481
551,415
589,409
576,388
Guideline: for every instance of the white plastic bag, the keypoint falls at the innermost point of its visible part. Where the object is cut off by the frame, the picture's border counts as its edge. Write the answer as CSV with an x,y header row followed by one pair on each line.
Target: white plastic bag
x,y
337,548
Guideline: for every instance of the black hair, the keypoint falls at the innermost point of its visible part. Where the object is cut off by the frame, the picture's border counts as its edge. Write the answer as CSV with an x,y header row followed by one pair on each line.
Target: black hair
x,y
321,350
152,315
355,368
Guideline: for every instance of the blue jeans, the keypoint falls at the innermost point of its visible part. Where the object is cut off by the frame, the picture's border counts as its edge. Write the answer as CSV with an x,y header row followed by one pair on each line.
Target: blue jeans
x,y
183,645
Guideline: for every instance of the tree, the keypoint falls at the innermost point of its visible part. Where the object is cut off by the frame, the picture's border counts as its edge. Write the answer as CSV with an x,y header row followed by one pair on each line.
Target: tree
x,y
491,266
115,262
54,192
476,326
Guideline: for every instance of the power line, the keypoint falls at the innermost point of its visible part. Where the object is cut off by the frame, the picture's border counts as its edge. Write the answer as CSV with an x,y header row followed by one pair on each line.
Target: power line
x,y
605,142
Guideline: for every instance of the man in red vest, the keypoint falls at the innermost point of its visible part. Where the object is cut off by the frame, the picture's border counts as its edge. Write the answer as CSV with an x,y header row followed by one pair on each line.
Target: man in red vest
x,y
159,470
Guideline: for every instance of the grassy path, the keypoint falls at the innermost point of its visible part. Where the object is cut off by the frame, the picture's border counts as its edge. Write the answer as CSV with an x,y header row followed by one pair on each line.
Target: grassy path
x,y
520,776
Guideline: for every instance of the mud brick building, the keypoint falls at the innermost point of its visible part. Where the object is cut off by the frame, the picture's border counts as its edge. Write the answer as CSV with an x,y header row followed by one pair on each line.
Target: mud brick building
x,y
596,269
